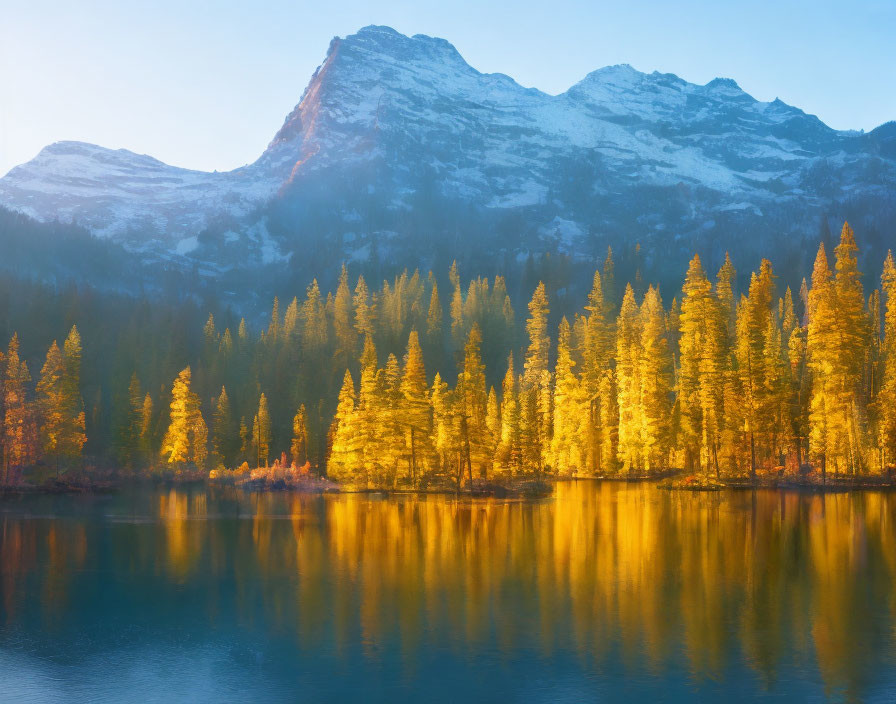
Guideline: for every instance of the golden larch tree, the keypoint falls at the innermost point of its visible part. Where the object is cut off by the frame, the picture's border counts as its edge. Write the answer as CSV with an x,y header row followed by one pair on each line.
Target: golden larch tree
x,y
187,434
655,379
298,448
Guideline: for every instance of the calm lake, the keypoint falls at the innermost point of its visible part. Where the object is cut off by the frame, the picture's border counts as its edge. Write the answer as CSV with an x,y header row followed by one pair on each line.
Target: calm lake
x,y
605,591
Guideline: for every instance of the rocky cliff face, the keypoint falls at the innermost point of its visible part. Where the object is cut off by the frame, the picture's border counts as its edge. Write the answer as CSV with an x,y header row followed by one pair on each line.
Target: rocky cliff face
x,y
400,151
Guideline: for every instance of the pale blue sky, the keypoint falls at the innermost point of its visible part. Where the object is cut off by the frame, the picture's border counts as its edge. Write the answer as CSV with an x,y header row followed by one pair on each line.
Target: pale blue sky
x,y
206,84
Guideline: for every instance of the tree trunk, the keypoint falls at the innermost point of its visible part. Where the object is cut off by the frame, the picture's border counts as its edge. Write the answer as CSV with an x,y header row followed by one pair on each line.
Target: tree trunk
x,y
752,456
466,432
413,461
715,460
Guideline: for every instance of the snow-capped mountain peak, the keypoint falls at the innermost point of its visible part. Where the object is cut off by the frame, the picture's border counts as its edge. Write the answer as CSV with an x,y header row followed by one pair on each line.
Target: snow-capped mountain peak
x,y
396,138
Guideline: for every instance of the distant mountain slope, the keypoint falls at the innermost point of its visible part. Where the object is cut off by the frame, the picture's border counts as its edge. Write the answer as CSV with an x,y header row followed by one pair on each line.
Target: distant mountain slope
x,y
400,151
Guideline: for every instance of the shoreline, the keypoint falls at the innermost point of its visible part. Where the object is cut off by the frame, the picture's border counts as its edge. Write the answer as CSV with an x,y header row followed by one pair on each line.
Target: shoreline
x,y
492,488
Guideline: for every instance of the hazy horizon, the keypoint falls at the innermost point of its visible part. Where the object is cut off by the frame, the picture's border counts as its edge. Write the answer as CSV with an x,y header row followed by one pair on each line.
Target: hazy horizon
x,y
207,90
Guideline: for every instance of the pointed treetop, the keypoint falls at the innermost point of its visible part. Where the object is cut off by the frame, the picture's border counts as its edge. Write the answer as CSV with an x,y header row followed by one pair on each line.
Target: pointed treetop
x,y
348,387
73,341
846,252
609,277
453,276
695,281
727,271
539,299
413,382
596,297
629,306
847,236
889,276
695,268
274,326
821,272
474,339
563,331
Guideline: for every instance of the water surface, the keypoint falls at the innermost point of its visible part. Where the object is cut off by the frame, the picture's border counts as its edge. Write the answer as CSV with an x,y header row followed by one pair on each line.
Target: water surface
x,y
603,592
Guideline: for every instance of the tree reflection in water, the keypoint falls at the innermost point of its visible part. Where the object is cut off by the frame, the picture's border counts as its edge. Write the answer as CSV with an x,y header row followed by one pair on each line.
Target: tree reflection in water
x,y
621,581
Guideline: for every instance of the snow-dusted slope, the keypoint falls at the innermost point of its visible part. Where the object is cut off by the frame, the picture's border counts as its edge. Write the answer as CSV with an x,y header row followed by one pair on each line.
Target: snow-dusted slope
x,y
128,196
398,145
112,190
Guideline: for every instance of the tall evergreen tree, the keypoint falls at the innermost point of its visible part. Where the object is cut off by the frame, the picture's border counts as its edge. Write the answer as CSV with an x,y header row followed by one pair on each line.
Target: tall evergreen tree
x,y
820,350
274,324
365,311
473,399
345,463
837,347
416,409
18,440
887,395
536,375
73,431
607,413
655,379
628,375
314,324
224,430
609,284
757,360
298,449
145,443
187,435
128,433
539,342
458,327
596,350
261,432
434,317
700,381
851,347
51,404
445,427
508,453
568,449
343,329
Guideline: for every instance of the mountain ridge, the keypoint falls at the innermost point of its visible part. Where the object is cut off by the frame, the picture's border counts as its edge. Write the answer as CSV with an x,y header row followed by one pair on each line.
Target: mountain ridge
x,y
397,144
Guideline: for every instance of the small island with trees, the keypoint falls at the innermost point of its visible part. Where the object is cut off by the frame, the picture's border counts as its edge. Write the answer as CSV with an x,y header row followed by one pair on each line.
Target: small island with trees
x,y
361,390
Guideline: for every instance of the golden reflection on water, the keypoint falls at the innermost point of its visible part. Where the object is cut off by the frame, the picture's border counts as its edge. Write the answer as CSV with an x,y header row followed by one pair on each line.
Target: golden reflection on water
x,y
601,572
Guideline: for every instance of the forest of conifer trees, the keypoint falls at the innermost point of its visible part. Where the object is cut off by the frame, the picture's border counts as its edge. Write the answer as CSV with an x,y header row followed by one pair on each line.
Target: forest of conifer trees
x,y
382,389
